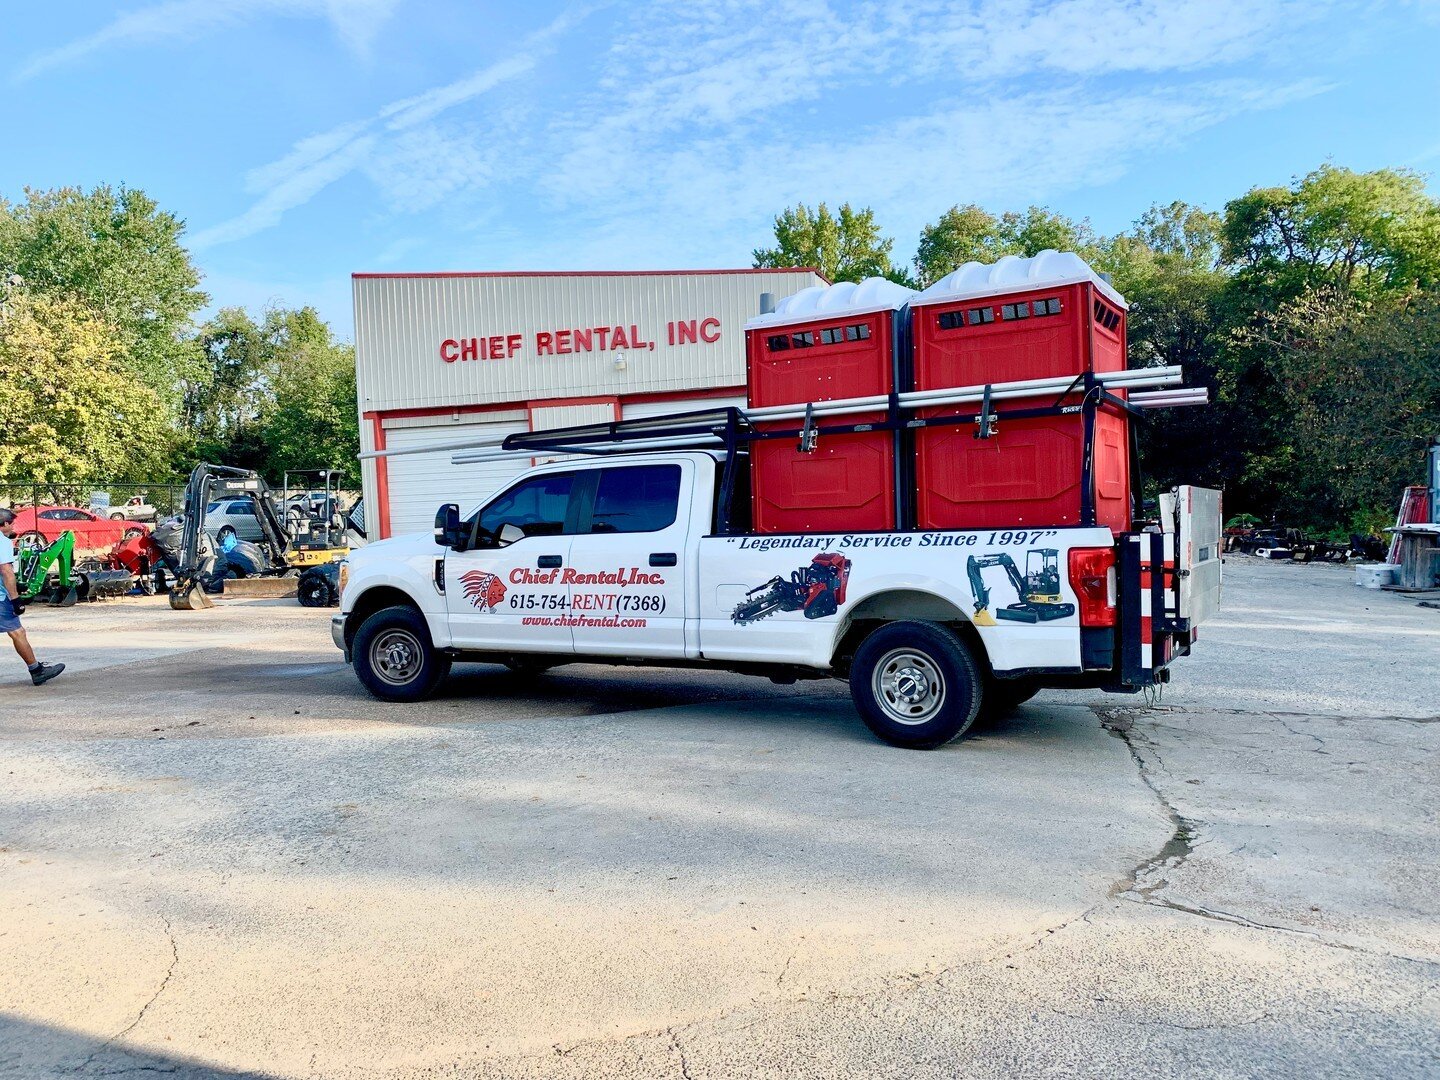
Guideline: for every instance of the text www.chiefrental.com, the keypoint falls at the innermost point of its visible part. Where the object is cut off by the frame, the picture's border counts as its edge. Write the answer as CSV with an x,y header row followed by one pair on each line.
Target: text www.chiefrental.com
x,y
582,620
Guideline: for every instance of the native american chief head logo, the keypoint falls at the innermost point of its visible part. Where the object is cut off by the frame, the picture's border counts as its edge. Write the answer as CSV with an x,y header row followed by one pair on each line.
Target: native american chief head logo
x,y
483,590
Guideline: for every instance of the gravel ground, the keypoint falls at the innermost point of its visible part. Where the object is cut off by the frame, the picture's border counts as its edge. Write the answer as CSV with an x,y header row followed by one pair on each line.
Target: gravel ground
x,y
219,858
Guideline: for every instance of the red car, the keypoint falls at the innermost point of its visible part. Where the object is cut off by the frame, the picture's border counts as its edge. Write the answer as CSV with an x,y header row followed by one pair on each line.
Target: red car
x,y
94,535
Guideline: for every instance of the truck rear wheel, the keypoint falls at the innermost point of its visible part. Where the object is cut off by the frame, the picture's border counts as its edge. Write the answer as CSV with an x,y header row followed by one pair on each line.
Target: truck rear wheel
x,y
916,685
395,658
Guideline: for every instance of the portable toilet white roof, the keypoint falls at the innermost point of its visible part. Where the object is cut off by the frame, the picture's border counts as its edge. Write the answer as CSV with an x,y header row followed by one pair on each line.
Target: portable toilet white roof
x,y
837,301
1012,274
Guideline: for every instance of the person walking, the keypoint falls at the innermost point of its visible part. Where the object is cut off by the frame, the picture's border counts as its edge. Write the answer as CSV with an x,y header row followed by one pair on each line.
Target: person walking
x,y
11,605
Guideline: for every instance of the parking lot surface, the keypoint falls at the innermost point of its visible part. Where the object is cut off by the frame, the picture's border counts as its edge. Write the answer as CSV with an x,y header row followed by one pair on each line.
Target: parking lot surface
x,y
218,857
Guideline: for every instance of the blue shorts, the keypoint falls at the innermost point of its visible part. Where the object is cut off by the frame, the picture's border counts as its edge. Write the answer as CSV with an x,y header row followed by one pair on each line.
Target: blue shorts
x,y
9,621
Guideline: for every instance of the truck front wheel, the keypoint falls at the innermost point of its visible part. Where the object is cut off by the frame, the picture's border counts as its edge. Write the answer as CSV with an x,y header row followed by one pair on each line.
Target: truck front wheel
x,y
394,657
916,685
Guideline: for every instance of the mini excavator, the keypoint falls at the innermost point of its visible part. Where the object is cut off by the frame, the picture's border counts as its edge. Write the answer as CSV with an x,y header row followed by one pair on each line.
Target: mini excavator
x,y
1038,591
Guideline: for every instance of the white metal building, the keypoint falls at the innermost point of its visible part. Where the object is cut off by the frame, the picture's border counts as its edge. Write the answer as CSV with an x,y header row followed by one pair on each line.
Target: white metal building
x,y
444,357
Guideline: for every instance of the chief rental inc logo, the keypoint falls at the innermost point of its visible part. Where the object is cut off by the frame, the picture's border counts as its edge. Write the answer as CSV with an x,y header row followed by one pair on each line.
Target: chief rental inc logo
x,y
482,589
573,341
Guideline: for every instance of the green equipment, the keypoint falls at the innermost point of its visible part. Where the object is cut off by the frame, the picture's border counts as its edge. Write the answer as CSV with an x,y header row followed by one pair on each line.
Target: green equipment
x,y
48,575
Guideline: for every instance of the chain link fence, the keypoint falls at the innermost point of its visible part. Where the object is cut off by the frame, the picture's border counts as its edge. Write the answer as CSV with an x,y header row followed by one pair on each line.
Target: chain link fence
x,y
146,502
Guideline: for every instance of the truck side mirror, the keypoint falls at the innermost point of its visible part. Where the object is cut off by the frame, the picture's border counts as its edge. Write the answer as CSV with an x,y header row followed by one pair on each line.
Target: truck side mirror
x,y
448,532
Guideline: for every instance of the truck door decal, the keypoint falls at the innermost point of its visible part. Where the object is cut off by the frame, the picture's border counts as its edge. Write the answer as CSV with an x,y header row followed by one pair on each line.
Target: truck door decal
x,y
483,589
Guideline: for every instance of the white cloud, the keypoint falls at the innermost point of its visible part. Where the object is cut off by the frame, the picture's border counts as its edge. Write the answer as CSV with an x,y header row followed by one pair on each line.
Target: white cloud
x,y
355,22
379,144
680,138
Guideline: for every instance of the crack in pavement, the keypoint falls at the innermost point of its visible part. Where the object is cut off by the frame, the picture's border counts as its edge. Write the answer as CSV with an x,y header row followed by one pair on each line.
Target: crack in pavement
x,y
1251,1022
1181,844
1209,711
679,1050
1315,935
164,982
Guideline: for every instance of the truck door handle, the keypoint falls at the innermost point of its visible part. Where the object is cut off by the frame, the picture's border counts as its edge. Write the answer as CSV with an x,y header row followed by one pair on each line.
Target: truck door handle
x,y
662,558
549,562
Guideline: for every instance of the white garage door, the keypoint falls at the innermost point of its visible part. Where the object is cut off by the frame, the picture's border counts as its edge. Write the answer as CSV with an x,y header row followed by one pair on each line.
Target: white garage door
x,y
634,410
421,483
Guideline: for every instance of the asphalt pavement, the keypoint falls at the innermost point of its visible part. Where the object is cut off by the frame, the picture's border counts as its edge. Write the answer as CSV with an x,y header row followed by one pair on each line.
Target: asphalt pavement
x,y
218,857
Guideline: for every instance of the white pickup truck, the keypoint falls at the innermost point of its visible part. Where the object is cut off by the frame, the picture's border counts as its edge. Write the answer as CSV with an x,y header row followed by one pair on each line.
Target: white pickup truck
x,y
620,561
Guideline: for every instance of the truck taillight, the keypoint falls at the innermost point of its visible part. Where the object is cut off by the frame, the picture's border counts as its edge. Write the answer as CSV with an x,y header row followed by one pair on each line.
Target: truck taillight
x,y
1092,576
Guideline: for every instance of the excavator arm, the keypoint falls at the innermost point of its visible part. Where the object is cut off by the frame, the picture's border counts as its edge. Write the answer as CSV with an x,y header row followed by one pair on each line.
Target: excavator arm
x,y
194,562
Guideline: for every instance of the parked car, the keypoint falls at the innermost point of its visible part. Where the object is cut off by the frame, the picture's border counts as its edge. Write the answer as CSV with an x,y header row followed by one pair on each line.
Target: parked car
x,y
136,509
227,518
94,535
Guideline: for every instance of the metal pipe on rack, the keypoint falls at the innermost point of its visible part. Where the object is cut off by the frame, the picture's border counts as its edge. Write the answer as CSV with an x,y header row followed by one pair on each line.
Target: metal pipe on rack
x,y
957,396
497,453
1162,376
1164,399
488,447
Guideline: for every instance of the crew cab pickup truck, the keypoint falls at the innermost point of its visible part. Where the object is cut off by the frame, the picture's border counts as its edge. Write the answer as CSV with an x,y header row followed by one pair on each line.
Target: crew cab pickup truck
x,y
618,560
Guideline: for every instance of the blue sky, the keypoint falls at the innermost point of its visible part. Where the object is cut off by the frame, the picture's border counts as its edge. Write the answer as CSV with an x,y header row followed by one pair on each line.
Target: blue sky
x,y
302,140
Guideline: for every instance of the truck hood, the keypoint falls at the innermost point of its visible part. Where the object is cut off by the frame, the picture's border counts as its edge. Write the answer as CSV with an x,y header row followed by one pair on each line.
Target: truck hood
x,y
397,547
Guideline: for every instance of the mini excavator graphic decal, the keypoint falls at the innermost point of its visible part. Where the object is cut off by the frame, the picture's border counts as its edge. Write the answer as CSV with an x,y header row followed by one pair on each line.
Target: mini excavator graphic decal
x,y
818,590
1038,592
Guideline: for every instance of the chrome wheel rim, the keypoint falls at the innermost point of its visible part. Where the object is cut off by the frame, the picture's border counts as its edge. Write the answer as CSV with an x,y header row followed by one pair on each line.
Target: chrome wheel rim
x,y
396,656
909,687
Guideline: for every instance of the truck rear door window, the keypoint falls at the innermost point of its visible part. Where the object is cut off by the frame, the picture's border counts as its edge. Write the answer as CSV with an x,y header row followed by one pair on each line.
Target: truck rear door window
x,y
645,498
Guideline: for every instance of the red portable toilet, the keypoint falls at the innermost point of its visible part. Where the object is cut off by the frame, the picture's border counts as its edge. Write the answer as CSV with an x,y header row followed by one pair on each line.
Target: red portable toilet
x,y
1043,317
823,344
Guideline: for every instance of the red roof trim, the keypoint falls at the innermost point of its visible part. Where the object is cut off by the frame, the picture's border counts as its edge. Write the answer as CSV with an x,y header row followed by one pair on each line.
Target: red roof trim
x,y
592,273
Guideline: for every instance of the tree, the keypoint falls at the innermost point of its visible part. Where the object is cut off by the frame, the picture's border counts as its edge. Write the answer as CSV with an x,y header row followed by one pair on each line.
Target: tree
x,y
972,234
1360,381
844,248
273,395
314,422
224,400
118,254
1358,232
72,411
1168,269
1355,238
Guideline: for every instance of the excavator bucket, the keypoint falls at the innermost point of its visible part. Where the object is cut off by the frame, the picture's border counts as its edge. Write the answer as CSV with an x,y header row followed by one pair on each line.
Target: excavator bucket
x,y
64,597
191,598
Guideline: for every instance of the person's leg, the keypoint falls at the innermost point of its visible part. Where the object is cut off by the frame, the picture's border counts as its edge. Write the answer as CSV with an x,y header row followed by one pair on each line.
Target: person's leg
x,y
22,646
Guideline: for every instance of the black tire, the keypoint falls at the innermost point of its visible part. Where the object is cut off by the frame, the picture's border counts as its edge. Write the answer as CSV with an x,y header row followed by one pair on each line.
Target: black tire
x,y
313,591
916,685
395,658
224,533
1004,696
117,517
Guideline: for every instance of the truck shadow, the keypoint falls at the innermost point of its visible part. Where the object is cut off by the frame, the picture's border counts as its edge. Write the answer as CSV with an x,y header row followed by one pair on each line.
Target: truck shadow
x,y
31,1049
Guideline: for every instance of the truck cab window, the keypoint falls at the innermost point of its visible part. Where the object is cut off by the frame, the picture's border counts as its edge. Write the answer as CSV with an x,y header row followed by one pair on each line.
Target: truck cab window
x,y
537,507
645,498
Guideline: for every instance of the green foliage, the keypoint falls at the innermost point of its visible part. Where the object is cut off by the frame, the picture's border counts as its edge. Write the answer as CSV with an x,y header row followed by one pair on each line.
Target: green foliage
x,y
314,423
71,409
1360,232
1360,382
116,253
1310,312
844,248
273,395
971,234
